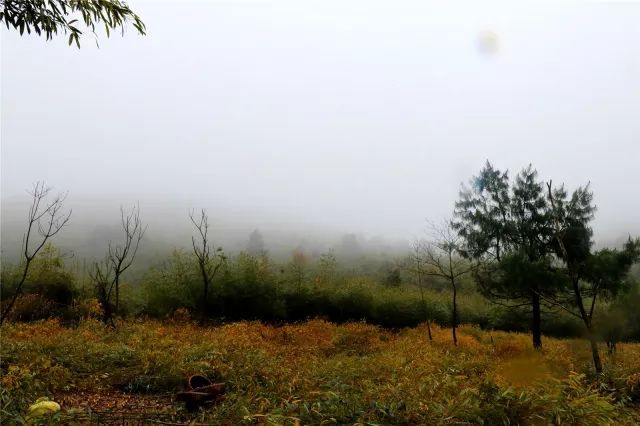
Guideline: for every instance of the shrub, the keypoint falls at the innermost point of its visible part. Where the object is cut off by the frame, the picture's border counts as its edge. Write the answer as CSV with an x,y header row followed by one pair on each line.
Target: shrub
x,y
32,307
172,285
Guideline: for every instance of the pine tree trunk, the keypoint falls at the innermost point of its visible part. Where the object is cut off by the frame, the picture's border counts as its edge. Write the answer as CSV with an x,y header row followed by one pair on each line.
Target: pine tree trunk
x,y
587,319
594,352
424,310
454,315
536,329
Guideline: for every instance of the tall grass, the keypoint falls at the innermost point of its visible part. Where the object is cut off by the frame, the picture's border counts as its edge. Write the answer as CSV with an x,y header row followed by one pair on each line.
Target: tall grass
x,y
318,372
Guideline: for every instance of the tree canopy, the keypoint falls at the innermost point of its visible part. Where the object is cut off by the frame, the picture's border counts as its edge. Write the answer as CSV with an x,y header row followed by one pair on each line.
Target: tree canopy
x,y
506,225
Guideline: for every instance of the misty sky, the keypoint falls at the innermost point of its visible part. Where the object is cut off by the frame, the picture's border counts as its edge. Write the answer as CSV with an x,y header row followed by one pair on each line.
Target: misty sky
x,y
355,116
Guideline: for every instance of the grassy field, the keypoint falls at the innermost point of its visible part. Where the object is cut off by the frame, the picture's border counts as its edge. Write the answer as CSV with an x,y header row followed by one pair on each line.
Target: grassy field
x,y
311,373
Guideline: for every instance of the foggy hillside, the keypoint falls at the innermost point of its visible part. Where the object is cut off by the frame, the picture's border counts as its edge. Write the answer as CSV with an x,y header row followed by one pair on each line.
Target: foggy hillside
x,y
309,122
96,222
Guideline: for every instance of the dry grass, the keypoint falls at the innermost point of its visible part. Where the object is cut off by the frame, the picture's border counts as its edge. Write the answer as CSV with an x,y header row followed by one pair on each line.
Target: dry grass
x,y
314,372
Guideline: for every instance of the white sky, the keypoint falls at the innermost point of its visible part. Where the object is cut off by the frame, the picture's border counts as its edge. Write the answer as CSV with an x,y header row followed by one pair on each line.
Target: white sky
x,y
358,116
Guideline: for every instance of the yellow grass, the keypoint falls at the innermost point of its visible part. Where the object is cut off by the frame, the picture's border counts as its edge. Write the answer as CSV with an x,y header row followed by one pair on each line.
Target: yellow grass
x,y
315,372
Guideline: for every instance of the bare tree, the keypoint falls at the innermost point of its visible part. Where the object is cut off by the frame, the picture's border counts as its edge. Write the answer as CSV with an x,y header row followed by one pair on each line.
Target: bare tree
x,y
101,274
209,262
122,255
107,274
442,257
48,218
417,267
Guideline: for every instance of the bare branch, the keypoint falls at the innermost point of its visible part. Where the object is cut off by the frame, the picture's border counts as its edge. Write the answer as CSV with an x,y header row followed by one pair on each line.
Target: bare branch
x,y
556,303
506,305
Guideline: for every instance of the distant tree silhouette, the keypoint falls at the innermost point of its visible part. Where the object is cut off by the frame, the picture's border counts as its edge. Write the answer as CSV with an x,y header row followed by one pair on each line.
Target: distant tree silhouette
x,y
297,266
327,267
255,246
349,245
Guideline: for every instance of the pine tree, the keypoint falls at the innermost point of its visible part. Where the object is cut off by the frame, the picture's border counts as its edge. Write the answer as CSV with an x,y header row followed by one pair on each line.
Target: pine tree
x,y
506,227
590,276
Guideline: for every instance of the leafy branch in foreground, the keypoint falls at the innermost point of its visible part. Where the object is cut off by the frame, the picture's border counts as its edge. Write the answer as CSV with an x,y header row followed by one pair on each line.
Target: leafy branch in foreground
x,y
50,17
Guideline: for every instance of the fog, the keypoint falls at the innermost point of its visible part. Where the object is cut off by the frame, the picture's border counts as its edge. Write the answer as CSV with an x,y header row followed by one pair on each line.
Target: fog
x,y
312,119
